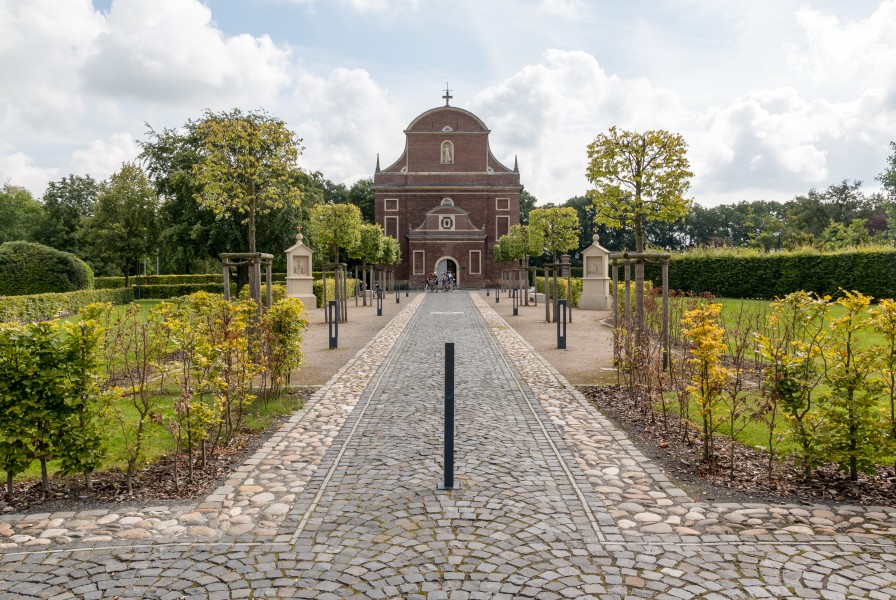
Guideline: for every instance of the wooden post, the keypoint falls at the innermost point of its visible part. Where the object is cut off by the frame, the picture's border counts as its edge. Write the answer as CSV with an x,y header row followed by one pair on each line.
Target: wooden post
x,y
226,281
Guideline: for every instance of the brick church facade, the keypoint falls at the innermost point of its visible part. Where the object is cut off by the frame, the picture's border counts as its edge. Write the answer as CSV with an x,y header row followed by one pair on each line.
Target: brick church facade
x,y
447,199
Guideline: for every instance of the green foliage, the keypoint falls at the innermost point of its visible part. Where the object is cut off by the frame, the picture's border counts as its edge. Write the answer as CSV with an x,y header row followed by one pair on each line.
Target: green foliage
x,y
854,427
41,307
124,228
119,282
361,194
562,290
514,245
733,273
247,162
334,226
554,230
369,249
283,325
29,268
67,203
527,203
638,177
162,292
888,177
318,289
20,214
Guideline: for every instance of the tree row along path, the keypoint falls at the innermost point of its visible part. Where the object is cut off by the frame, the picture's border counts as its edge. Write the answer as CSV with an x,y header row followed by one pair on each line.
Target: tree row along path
x,y
553,502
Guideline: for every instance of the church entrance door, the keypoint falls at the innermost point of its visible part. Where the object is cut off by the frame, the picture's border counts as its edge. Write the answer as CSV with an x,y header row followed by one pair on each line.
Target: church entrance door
x,y
447,265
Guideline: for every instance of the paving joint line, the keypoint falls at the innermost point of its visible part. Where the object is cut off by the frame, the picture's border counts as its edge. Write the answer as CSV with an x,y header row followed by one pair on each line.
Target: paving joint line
x,y
513,374
370,392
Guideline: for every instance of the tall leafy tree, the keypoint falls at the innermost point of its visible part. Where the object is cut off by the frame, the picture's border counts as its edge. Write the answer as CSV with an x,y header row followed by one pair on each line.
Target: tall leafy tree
x,y
124,228
361,194
20,214
247,163
638,178
334,227
888,177
527,203
554,230
68,203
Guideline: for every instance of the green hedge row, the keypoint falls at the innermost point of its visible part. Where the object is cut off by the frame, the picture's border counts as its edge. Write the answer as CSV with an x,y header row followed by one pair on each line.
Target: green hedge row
x,y
166,291
41,307
318,289
27,268
140,280
562,291
766,276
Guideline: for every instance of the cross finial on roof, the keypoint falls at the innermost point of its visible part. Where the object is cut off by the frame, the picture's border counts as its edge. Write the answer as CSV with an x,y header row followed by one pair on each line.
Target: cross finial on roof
x,y
447,95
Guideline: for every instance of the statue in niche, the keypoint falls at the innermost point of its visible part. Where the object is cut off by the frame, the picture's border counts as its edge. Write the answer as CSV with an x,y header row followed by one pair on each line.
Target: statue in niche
x,y
447,153
299,268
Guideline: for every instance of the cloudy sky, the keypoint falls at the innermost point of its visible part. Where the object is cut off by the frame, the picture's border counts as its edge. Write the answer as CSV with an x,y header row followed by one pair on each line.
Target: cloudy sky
x,y
773,96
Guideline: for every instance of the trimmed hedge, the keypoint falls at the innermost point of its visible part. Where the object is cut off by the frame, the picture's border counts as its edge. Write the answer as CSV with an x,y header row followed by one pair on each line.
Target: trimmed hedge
x,y
118,282
561,288
41,307
871,271
166,291
29,268
318,289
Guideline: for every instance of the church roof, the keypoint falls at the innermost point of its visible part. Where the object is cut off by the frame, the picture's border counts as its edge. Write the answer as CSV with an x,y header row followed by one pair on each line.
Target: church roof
x,y
437,119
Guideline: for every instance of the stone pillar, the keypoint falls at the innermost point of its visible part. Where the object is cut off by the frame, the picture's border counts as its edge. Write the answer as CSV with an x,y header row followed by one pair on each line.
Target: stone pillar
x,y
299,280
596,278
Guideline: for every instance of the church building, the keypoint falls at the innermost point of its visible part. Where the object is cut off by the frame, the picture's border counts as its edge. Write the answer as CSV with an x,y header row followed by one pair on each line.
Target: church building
x,y
447,199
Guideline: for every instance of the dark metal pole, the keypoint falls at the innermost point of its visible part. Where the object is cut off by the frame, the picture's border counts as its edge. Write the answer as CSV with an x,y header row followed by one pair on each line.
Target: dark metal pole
x,y
561,320
379,302
448,481
516,302
332,307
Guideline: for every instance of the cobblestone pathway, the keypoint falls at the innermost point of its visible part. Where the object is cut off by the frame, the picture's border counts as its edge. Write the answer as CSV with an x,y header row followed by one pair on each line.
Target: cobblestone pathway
x,y
553,502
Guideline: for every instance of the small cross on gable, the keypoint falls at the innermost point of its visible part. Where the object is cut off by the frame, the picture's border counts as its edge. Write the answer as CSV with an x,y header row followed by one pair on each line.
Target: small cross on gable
x,y
447,95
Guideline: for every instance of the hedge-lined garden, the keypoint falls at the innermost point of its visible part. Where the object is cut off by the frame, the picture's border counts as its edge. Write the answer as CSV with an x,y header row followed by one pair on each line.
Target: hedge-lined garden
x,y
28,268
187,369
754,274
42,307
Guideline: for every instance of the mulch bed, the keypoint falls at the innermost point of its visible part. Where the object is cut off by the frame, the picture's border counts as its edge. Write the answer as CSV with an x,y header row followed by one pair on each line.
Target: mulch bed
x,y
750,482
154,482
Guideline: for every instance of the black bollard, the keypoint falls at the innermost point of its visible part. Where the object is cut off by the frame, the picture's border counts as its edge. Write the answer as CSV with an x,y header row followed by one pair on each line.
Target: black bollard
x,y
333,318
397,295
448,481
560,315
516,303
497,294
379,303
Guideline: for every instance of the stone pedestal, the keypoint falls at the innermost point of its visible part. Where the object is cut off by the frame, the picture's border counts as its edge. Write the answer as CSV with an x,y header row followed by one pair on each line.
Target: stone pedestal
x,y
596,278
299,280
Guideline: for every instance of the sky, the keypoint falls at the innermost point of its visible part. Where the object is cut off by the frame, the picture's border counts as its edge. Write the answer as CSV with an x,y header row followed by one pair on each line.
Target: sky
x,y
774,97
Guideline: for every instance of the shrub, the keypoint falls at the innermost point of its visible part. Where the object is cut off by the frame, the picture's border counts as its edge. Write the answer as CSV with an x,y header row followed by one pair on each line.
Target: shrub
x,y
561,289
165,291
41,307
318,288
28,268
118,282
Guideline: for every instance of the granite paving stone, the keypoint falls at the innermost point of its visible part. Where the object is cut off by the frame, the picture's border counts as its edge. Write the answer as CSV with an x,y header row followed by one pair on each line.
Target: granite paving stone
x,y
552,501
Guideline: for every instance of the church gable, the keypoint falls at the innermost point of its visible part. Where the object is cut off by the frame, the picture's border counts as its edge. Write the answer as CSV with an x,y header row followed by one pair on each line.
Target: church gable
x,y
447,197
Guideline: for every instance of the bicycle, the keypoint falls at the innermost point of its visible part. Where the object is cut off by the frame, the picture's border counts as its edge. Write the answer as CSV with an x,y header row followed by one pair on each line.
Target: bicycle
x,y
449,286
426,286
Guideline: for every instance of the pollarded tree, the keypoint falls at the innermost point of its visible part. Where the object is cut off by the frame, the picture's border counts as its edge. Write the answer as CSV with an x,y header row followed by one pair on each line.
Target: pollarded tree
x,y
247,163
638,177
335,226
555,230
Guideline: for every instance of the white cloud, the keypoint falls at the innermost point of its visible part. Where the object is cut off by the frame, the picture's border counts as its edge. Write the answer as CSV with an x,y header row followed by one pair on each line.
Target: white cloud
x,y
19,169
169,51
857,52
548,113
103,157
344,118
563,8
